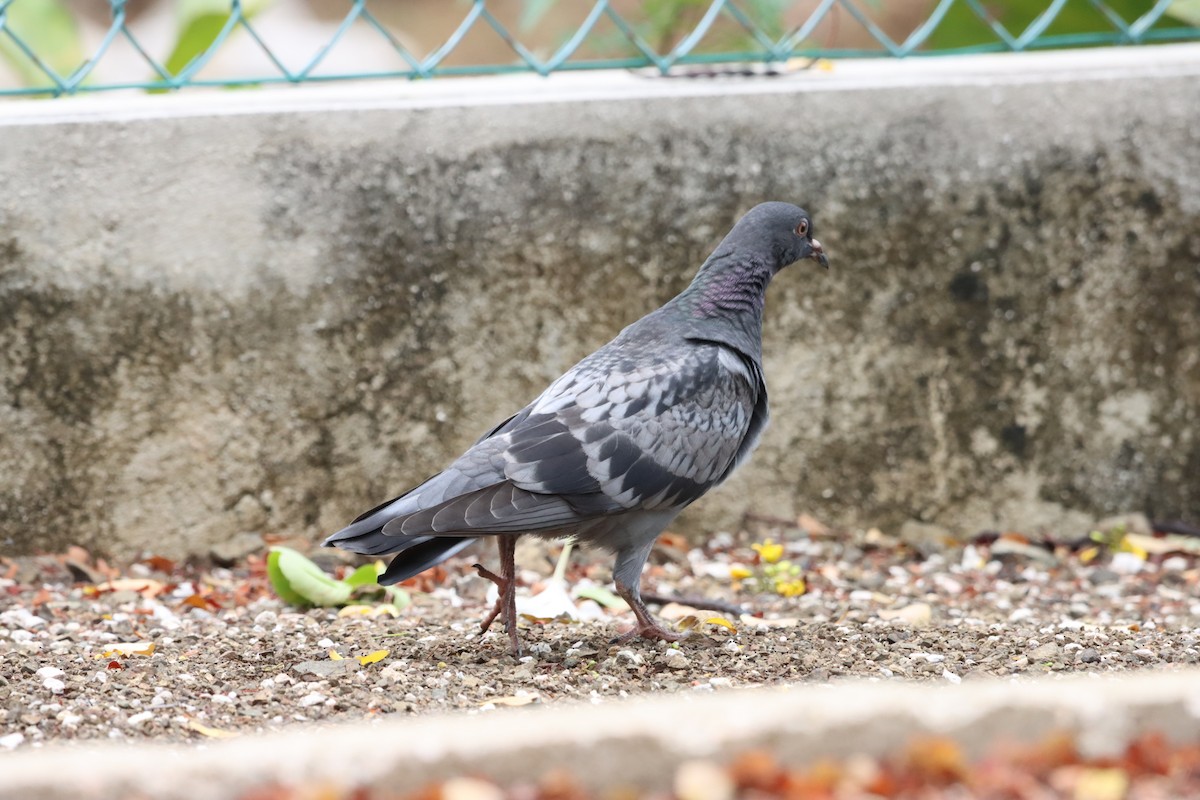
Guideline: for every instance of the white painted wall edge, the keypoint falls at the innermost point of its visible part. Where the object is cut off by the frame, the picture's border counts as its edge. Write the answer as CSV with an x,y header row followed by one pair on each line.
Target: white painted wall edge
x,y
844,75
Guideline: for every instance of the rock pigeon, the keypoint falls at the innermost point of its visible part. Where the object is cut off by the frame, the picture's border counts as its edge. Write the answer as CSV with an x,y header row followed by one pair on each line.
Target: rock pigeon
x,y
614,449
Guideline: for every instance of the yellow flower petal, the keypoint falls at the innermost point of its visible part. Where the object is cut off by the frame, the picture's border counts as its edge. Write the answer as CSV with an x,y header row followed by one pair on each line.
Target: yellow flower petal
x,y
334,655
769,551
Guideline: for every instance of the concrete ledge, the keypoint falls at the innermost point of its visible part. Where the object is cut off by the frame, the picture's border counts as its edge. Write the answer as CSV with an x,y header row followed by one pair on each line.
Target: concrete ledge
x,y
267,311
634,743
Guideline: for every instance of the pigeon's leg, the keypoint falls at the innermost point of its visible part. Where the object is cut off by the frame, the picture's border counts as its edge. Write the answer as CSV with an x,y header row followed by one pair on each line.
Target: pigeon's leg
x,y
506,583
646,627
627,575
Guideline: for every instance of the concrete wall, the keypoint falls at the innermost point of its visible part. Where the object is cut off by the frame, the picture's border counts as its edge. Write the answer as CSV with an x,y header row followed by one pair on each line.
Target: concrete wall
x,y
263,311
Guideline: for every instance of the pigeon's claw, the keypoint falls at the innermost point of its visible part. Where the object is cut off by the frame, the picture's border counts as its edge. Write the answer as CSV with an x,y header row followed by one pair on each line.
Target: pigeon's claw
x,y
506,583
652,631
646,627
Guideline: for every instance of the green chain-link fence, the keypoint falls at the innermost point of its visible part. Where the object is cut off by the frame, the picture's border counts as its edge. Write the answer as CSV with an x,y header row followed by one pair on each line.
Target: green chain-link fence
x,y
60,47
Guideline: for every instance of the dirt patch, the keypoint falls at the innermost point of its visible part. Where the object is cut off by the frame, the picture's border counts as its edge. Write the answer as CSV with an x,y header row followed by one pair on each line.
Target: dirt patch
x,y
230,658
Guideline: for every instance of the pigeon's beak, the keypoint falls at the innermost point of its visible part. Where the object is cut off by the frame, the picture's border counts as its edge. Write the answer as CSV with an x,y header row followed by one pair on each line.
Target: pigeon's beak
x,y
818,253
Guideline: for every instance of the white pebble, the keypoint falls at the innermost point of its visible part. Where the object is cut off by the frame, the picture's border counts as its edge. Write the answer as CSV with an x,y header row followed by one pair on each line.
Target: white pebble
x,y
676,659
139,719
313,699
22,618
1126,563
720,683
325,643
1175,564
630,657
950,676
12,740
49,672
54,685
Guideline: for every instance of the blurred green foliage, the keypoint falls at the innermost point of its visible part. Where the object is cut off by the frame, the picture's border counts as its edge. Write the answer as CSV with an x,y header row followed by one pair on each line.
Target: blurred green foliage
x,y
962,27
47,28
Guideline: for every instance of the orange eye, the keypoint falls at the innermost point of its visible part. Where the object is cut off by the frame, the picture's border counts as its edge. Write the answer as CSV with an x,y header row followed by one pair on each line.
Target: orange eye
x,y
802,228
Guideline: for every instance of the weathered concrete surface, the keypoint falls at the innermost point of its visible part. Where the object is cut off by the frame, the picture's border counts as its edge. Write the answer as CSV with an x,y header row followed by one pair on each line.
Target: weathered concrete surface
x,y
635,743
266,312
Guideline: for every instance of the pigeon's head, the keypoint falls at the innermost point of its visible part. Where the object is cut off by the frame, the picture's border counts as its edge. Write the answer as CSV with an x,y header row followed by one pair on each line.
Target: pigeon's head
x,y
782,228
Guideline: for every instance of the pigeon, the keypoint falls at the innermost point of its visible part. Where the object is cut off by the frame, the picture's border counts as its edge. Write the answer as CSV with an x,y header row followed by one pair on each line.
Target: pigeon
x,y
616,447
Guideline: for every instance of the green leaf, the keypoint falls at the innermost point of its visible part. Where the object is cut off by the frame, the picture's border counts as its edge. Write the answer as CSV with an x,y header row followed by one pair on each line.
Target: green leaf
x,y
279,583
366,575
306,579
200,23
601,595
47,28
962,28
399,597
1185,11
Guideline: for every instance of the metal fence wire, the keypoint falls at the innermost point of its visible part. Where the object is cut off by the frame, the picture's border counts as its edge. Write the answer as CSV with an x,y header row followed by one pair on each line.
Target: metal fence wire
x,y
46,49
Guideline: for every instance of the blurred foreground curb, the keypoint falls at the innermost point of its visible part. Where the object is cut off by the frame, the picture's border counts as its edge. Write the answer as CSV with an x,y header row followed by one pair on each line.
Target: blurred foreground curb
x,y
634,743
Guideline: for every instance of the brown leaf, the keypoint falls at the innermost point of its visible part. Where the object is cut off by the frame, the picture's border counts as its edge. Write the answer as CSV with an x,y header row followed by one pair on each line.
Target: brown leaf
x,y
160,563
814,526
936,760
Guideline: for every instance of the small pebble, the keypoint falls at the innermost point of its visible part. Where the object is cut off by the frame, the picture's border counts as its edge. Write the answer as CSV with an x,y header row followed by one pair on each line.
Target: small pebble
x,y
675,659
139,719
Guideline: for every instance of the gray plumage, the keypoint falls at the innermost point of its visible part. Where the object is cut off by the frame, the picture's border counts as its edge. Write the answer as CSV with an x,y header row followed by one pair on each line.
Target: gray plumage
x,y
614,449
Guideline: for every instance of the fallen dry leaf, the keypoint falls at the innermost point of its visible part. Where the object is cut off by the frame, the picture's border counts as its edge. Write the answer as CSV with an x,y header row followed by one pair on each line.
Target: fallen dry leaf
x,y
918,614
722,622
1101,784
674,611
371,658
146,587
127,649
385,609
813,526
1171,543
212,733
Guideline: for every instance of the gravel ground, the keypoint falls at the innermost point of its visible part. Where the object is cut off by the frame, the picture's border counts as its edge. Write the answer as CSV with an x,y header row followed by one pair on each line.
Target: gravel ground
x,y
228,657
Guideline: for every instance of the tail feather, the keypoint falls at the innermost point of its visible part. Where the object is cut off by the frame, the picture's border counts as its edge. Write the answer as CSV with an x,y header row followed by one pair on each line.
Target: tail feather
x,y
419,554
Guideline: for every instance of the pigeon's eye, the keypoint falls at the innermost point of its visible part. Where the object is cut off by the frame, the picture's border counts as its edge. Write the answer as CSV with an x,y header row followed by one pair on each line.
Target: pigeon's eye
x,y
802,228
